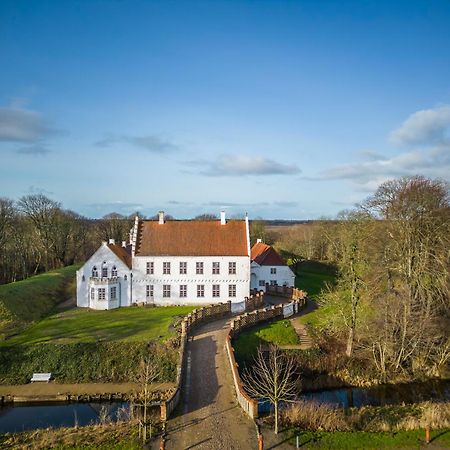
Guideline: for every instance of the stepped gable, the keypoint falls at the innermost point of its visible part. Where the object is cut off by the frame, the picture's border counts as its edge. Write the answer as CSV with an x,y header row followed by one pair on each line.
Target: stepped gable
x,y
265,255
191,238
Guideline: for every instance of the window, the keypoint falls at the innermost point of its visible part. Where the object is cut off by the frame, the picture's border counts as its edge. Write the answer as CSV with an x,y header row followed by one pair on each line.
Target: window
x,y
273,282
183,268
231,290
216,290
216,268
104,272
94,272
83,278
200,290
113,293
232,268
166,269
114,271
125,278
102,294
166,290
262,283
92,293
273,270
199,268
149,291
183,290
150,269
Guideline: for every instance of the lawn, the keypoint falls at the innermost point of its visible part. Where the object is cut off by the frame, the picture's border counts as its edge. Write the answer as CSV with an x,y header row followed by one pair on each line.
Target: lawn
x,y
280,332
24,302
123,324
353,440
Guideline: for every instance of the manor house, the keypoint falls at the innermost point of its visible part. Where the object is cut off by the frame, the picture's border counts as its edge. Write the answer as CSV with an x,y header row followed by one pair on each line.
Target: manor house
x,y
170,262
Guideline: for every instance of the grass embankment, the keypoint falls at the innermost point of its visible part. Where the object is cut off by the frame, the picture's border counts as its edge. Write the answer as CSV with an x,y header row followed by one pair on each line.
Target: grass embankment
x,y
26,301
280,332
356,440
125,324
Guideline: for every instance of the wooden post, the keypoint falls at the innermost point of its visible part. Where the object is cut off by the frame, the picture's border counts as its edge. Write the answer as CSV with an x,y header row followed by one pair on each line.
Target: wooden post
x,y
260,442
162,443
427,435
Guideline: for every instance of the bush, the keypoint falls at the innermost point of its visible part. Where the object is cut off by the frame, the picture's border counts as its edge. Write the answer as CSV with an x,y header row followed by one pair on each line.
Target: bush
x,y
84,362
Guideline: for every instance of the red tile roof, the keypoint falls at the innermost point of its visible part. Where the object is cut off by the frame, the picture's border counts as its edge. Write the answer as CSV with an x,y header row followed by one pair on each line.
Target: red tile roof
x,y
192,238
265,255
124,253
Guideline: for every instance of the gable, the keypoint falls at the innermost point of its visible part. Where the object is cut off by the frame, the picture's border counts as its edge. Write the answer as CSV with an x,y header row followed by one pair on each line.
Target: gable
x,y
265,255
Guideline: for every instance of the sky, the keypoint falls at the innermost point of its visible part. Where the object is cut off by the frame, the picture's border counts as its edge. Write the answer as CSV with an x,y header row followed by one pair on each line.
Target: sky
x,y
281,109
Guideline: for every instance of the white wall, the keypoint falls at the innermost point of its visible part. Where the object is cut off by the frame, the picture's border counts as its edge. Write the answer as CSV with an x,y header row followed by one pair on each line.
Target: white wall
x,y
101,256
191,279
283,276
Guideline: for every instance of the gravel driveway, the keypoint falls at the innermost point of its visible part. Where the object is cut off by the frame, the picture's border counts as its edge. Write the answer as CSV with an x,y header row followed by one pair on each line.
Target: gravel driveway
x,y
208,416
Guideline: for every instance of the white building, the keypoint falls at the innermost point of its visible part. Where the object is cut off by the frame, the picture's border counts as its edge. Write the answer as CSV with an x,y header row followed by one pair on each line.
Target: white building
x,y
267,266
174,262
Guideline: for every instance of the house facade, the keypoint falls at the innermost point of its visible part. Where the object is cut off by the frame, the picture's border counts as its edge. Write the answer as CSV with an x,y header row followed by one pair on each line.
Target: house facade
x,y
267,266
169,262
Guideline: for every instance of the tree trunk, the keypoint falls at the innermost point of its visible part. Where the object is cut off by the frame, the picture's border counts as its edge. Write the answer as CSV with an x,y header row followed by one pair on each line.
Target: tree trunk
x,y
276,417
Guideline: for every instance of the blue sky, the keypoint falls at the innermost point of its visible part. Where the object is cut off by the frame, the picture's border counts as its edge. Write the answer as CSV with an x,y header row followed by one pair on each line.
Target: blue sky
x,y
281,109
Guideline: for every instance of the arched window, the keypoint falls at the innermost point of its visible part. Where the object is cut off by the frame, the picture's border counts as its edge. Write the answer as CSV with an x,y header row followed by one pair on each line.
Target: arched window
x,y
114,271
94,272
104,272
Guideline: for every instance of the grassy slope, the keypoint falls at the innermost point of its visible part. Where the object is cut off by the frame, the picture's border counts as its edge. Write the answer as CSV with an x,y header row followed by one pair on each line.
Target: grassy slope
x,y
26,301
81,325
354,440
280,332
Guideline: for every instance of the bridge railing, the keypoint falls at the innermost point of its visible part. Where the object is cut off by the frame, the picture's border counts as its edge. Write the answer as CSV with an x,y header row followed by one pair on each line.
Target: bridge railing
x,y
285,291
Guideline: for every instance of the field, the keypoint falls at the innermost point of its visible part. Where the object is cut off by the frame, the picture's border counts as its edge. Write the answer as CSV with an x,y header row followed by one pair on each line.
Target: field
x,y
124,324
27,301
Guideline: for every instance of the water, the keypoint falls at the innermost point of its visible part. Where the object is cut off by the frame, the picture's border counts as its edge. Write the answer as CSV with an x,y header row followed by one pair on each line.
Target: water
x,y
43,415
383,395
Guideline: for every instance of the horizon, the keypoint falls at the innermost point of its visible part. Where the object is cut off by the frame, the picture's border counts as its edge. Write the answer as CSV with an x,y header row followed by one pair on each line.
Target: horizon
x,y
285,110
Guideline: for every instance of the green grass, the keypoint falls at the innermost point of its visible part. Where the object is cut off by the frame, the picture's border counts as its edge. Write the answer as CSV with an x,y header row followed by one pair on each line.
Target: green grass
x,y
280,332
24,302
340,440
82,325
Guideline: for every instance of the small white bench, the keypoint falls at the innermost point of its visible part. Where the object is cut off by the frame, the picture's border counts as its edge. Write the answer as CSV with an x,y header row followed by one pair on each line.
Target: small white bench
x,y
41,377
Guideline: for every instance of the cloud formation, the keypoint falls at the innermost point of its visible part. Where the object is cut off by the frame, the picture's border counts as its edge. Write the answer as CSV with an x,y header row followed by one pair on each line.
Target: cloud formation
x,y
21,125
151,143
425,127
238,165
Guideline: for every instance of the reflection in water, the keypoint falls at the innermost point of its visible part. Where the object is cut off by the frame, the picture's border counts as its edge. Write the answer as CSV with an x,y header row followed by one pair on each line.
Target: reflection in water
x,y
383,395
44,415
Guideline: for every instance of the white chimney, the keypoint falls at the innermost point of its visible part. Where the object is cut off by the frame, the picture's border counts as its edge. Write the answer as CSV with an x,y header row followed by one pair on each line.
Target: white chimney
x,y
222,218
258,241
112,241
124,244
161,217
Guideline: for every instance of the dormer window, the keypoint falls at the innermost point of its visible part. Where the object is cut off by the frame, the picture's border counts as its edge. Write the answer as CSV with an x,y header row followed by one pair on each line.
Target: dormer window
x,y
94,272
114,271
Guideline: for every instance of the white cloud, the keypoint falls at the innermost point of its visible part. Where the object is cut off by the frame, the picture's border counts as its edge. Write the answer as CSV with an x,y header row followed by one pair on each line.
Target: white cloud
x,y
38,150
238,165
21,125
428,126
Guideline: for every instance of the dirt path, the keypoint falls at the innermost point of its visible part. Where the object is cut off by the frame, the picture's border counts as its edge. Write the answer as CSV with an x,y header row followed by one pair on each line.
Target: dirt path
x,y
302,331
209,417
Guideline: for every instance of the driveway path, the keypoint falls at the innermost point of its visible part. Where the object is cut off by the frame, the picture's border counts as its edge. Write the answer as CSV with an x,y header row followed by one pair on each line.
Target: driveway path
x,y
209,417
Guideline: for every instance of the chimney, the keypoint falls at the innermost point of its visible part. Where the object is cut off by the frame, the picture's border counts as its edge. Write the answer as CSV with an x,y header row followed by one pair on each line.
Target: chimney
x,y
161,217
258,241
112,241
222,218
124,244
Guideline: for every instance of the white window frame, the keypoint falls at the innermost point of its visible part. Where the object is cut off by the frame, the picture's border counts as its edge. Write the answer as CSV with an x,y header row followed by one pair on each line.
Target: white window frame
x,y
105,272
183,290
232,290
92,294
113,293
199,268
232,268
114,271
262,283
150,268
200,290
166,268
216,268
166,290
216,290
273,270
149,291
101,292
273,282
94,272
183,267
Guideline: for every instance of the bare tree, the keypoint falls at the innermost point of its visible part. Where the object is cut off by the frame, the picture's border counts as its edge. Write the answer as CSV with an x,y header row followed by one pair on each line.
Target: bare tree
x,y
207,216
272,377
